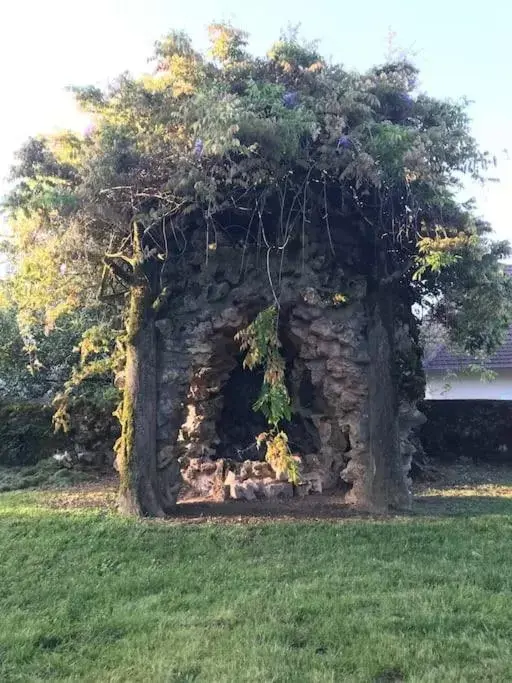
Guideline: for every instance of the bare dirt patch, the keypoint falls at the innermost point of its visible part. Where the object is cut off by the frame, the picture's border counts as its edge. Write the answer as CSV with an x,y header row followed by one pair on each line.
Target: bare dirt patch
x,y
456,488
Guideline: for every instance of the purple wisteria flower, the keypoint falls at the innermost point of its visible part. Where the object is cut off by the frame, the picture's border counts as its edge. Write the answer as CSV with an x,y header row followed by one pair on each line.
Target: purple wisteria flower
x,y
345,142
198,148
290,99
405,99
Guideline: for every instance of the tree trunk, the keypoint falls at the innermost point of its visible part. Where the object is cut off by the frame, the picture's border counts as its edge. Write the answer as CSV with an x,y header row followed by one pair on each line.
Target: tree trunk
x,y
385,482
137,451
149,483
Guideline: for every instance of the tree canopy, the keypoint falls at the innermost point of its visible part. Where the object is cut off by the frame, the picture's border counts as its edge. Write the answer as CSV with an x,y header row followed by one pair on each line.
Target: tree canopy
x,y
204,139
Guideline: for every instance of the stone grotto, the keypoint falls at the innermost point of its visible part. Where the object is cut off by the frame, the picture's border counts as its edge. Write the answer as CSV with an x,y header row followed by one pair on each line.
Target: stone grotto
x,y
353,379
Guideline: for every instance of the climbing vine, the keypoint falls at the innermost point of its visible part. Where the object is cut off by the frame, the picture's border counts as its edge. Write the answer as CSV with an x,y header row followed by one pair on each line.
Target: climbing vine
x,y
101,358
261,342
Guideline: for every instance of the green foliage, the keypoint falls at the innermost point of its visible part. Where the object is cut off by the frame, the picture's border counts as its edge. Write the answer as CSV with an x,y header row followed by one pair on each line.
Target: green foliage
x,y
26,434
34,360
13,360
278,454
73,366
261,342
441,251
470,429
46,473
227,43
290,52
90,384
471,298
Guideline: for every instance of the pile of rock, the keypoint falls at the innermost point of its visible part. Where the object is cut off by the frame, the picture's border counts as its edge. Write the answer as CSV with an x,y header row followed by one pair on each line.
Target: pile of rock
x,y
256,480
250,480
202,477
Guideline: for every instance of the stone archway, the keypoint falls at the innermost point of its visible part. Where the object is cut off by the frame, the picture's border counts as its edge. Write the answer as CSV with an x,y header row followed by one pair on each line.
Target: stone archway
x,y
203,416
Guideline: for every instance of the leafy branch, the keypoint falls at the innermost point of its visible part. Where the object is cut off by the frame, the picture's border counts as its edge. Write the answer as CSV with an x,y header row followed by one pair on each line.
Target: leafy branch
x,y
261,342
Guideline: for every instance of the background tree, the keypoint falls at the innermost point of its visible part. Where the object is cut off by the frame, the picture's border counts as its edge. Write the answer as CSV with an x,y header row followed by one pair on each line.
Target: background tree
x,y
282,148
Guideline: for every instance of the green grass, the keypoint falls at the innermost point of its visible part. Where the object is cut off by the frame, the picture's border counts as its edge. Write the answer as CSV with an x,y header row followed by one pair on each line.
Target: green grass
x,y
85,595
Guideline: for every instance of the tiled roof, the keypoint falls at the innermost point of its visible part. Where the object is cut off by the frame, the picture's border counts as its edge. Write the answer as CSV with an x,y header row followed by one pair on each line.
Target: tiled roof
x,y
444,359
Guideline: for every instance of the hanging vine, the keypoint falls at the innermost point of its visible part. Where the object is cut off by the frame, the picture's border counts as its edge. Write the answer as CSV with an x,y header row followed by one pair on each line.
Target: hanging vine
x,y
261,342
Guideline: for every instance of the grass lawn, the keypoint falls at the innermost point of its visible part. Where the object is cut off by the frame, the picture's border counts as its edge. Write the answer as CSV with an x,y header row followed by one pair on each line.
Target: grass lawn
x,y
85,595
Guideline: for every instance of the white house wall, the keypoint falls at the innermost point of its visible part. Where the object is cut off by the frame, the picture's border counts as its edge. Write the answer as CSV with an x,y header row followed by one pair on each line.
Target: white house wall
x,y
444,386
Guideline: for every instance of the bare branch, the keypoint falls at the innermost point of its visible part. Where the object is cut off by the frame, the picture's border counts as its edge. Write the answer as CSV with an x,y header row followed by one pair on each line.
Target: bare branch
x,y
118,256
326,218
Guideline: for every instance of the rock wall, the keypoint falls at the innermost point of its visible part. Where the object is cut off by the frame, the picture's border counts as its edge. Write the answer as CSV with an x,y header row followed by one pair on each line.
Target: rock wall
x,y
331,349
327,345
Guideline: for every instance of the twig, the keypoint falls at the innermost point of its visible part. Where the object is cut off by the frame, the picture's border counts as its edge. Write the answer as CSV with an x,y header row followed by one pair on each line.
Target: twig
x,y
326,218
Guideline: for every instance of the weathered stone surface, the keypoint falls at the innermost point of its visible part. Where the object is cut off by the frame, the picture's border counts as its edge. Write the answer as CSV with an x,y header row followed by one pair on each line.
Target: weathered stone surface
x,y
328,349
317,371
231,478
281,474
302,490
237,491
165,327
191,304
305,313
246,470
261,470
270,488
312,297
208,467
251,489
217,292
336,368
231,317
314,481
329,367
324,328
206,478
202,476
197,347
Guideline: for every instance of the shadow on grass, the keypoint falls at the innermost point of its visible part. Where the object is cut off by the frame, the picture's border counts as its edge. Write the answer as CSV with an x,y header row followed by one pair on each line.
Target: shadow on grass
x,y
462,505
470,501
332,508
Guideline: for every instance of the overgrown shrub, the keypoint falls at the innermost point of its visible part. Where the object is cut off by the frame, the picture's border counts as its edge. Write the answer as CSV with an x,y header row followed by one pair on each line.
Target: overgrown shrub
x,y
27,434
46,473
480,430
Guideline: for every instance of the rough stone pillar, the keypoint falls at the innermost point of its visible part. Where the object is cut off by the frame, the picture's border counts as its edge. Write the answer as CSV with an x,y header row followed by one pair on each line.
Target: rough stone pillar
x,y
331,345
349,353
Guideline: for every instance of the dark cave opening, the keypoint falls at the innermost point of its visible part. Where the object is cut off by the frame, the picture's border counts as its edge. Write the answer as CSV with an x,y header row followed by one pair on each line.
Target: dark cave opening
x,y
239,424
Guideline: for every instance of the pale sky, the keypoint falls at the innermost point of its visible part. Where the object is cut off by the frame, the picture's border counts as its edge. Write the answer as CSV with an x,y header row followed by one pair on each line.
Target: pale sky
x,y
462,47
